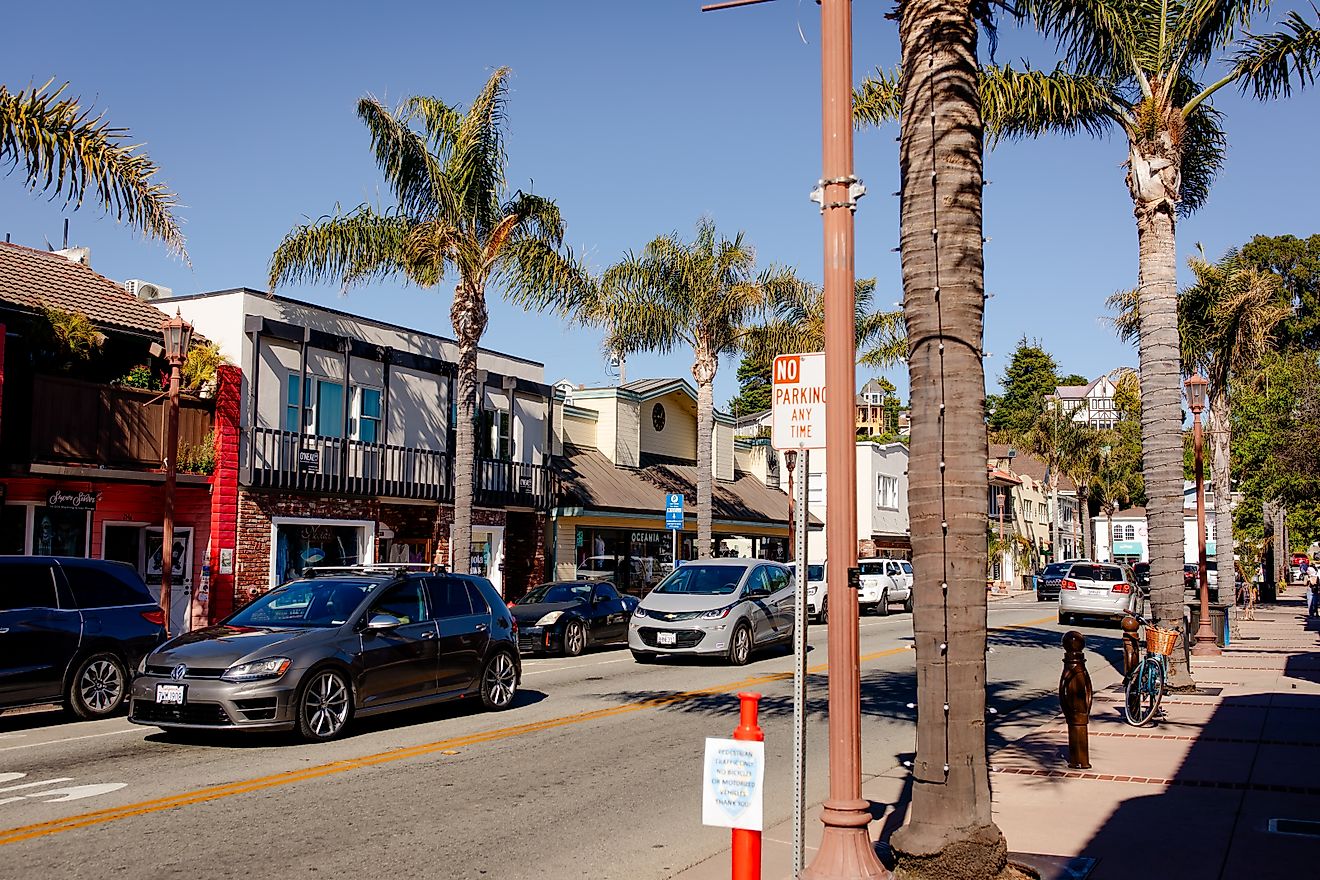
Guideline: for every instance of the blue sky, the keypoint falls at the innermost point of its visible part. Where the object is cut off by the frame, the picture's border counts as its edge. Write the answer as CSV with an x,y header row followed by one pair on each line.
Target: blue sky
x,y
638,118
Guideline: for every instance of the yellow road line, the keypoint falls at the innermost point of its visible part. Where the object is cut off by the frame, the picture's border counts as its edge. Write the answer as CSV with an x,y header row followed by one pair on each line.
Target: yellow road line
x,y
216,792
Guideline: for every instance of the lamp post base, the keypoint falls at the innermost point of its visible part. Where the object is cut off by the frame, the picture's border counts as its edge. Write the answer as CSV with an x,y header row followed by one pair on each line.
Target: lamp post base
x,y
1205,646
846,850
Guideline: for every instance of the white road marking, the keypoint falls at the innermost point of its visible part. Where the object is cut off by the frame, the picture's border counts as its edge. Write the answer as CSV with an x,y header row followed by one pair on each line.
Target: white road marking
x,y
78,792
538,670
36,784
51,742
10,777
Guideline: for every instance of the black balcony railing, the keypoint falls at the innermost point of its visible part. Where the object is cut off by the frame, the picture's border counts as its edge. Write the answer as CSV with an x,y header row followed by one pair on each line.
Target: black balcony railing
x,y
287,460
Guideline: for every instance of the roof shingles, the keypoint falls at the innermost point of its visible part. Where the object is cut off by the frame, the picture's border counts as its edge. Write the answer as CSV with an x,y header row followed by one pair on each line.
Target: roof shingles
x,y
32,279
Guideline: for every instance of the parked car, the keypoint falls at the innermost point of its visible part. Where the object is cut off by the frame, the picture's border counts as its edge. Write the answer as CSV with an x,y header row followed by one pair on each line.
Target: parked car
x,y
1093,589
1047,582
1295,567
70,631
817,598
569,616
313,654
1192,575
883,583
728,607
1142,571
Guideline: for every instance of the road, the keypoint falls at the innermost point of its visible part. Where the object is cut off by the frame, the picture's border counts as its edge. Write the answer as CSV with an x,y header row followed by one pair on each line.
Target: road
x,y
594,773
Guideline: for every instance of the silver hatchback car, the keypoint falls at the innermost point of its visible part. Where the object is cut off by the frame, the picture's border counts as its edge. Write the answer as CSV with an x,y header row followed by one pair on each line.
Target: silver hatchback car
x,y
1097,589
728,607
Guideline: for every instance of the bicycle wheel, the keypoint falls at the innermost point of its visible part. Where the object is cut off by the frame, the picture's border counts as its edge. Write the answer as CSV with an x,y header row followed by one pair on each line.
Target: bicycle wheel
x,y
1143,692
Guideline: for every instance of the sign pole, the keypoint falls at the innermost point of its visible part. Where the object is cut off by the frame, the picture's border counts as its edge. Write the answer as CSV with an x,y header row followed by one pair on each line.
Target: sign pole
x,y
800,624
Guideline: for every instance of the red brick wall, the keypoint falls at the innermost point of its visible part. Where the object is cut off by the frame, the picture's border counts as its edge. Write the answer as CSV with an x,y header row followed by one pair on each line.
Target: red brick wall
x,y
224,487
257,508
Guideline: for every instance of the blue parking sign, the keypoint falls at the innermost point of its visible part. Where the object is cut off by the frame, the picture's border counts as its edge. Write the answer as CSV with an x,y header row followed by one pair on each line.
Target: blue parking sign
x,y
674,511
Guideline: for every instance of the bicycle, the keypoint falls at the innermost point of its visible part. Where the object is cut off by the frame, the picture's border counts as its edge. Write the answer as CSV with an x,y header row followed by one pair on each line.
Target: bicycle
x,y
1144,687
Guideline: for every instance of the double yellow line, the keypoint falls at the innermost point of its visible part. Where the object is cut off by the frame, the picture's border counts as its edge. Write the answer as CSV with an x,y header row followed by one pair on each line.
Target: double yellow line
x,y
275,780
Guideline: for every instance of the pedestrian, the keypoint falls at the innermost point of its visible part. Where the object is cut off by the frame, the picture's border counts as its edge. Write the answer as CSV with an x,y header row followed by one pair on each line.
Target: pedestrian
x,y
1312,581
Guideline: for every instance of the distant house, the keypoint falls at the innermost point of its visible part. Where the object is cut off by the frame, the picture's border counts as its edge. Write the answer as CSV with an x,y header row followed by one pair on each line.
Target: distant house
x,y
1093,403
1125,539
1030,512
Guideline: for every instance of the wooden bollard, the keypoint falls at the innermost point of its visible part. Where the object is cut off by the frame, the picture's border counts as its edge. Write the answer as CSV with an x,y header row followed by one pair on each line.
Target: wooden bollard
x,y
1131,651
1075,699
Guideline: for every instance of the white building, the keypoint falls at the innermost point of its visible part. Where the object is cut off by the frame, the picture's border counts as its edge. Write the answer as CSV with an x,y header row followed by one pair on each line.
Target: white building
x,y
1128,538
882,500
1093,403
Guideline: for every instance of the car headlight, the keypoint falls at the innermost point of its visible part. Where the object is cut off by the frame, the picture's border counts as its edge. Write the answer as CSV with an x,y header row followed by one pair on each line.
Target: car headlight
x,y
142,665
717,614
639,611
549,619
811,591
271,667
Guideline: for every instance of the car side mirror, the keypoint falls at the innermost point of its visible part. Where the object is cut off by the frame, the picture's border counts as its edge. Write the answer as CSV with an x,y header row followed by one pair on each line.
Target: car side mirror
x,y
381,621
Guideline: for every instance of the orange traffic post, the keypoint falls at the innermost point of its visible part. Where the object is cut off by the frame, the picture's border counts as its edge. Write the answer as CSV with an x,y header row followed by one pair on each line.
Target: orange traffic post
x,y
747,844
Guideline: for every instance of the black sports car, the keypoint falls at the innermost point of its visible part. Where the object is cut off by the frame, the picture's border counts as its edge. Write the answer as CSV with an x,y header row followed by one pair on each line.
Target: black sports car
x,y
568,616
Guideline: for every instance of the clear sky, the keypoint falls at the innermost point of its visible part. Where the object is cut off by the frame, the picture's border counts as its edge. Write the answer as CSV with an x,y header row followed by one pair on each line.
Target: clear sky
x,y
637,117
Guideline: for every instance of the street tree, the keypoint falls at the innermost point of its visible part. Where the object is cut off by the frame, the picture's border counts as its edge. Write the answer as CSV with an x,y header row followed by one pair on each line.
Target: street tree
x,y
1079,461
1052,437
445,167
1137,66
1030,375
705,295
950,831
1297,263
69,150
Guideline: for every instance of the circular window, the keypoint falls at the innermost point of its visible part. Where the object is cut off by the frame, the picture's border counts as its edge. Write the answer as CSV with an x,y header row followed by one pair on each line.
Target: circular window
x,y
658,417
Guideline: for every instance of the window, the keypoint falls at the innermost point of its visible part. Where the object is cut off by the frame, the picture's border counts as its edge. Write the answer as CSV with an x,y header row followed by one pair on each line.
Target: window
x,y
405,602
475,597
1129,533
816,488
365,423
96,587
1118,533
606,592
26,585
886,492
777,578
59,532
299,545
449,598
322,405
759,582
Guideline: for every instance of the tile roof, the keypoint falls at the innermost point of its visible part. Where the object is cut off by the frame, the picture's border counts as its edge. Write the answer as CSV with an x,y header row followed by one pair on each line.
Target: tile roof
x,y
1026,463
30,279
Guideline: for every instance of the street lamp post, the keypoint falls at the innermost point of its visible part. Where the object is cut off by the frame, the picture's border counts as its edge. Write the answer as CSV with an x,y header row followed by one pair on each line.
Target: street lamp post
x,y
178,335
1205,636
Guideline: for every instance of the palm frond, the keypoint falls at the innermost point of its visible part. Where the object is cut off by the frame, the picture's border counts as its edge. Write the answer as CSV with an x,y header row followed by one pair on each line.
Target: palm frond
x,y
1026,103
1126,320
879,99
1098,37
544,276
415,176
1204,148
440,122
346,248
1203,28
475,166
1266,65
64,149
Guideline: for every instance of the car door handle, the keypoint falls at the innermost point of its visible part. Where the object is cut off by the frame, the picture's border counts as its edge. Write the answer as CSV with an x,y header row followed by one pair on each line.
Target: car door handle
x,y
3,630
481,627
429,634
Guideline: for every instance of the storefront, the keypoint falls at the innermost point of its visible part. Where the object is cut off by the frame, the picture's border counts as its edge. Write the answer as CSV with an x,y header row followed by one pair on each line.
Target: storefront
x,y
301,543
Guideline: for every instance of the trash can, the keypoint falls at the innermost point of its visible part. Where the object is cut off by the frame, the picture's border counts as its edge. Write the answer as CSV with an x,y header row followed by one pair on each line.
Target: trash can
x,y
1218,621
1028,582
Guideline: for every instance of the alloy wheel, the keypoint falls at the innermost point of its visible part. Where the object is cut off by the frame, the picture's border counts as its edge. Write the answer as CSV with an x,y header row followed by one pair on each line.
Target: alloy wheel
x,y
325,706
742,646
500,681
575,639
101,686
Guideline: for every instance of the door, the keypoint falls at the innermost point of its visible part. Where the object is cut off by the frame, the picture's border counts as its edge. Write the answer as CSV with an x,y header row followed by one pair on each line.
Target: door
x,y
782,592
38,638
609,617
400,663
762,612
486,554
463,618
181,577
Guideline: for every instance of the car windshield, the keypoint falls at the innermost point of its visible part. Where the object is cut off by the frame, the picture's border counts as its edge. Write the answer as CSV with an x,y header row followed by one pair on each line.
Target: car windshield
x,y
321,602
599,563
557,593
702,580
815,572
1057,569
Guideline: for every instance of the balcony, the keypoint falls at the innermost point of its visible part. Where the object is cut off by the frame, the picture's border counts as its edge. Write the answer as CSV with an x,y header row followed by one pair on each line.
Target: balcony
x,y
104,426
287,460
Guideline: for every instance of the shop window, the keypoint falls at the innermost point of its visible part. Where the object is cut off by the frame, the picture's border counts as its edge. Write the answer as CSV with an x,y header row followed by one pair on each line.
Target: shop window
x,y
303,545
123,544
59,532
13,530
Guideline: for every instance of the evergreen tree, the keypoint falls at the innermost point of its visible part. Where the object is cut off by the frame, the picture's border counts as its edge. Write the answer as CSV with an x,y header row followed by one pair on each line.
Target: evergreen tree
x,y
754,385
1030,375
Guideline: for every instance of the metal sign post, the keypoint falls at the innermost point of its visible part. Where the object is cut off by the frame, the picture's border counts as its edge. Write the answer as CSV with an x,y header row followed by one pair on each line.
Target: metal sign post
x,y
674,522
800,624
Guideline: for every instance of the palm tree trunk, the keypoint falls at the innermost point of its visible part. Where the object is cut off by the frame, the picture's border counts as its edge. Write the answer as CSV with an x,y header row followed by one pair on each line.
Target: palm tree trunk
x,y
1220,436
468,314
950,832
703,371
1153,181
1109,534
1084,514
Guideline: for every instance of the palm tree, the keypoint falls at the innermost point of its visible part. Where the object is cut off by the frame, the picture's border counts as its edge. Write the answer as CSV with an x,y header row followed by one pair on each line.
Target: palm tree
x,y
1079,461
1114,491
1135,66
1050,438
63,148
797,324
704,295
1226,324
950,830
446,169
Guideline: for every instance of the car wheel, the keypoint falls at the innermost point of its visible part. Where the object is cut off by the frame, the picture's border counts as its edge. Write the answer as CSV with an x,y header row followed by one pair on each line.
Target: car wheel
x,y
643,657
824,616
1065,619
907,603
98,687
883,608
499,682
325,705
1040,597
740,645
575,638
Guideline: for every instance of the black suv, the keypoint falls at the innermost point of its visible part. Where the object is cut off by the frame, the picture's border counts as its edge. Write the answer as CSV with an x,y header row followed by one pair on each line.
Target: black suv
x,y
318,651
70,629
1048,581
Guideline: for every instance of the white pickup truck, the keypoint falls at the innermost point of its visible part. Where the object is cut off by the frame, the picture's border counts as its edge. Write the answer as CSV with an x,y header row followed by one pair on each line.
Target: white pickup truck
x,y
884,582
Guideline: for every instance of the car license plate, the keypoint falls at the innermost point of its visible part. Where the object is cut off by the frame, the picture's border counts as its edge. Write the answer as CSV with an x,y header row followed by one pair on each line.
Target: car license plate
x,y
665,638
170,694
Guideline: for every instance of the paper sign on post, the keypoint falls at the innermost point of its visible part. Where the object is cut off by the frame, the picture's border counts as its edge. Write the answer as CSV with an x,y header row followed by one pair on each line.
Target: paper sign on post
x,y
797,412
732,784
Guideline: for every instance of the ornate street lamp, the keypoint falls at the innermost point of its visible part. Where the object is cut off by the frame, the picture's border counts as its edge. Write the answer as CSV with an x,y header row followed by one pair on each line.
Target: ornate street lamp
x,y
178,335
1205,636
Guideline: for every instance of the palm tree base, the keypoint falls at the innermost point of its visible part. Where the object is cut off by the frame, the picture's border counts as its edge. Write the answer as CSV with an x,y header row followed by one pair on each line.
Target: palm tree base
x,y
927,853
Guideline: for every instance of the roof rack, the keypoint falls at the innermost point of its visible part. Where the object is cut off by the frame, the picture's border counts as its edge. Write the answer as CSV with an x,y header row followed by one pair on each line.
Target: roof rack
x,y
381,568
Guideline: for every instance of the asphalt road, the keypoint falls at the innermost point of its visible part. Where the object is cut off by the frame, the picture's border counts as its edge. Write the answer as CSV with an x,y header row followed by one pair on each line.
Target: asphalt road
x,y
594,773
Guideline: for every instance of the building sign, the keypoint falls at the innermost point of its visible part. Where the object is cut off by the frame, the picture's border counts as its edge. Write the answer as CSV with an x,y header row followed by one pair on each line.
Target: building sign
x,y
1127,548
731,790
525,483
674,511
66,500
227,560
797,414
309,459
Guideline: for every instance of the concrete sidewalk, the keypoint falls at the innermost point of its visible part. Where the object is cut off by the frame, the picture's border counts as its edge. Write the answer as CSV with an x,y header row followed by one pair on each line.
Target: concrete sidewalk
x,y
1193,795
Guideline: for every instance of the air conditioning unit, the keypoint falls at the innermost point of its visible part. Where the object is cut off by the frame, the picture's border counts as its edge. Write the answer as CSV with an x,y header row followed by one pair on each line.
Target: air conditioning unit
x,y
145,290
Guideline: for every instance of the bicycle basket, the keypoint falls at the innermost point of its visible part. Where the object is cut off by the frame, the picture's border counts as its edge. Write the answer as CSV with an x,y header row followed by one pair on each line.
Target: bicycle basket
x,y
1161,641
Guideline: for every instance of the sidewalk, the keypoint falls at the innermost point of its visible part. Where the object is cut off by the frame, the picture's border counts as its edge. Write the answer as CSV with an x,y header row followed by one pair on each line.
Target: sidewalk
x,y
1193,796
